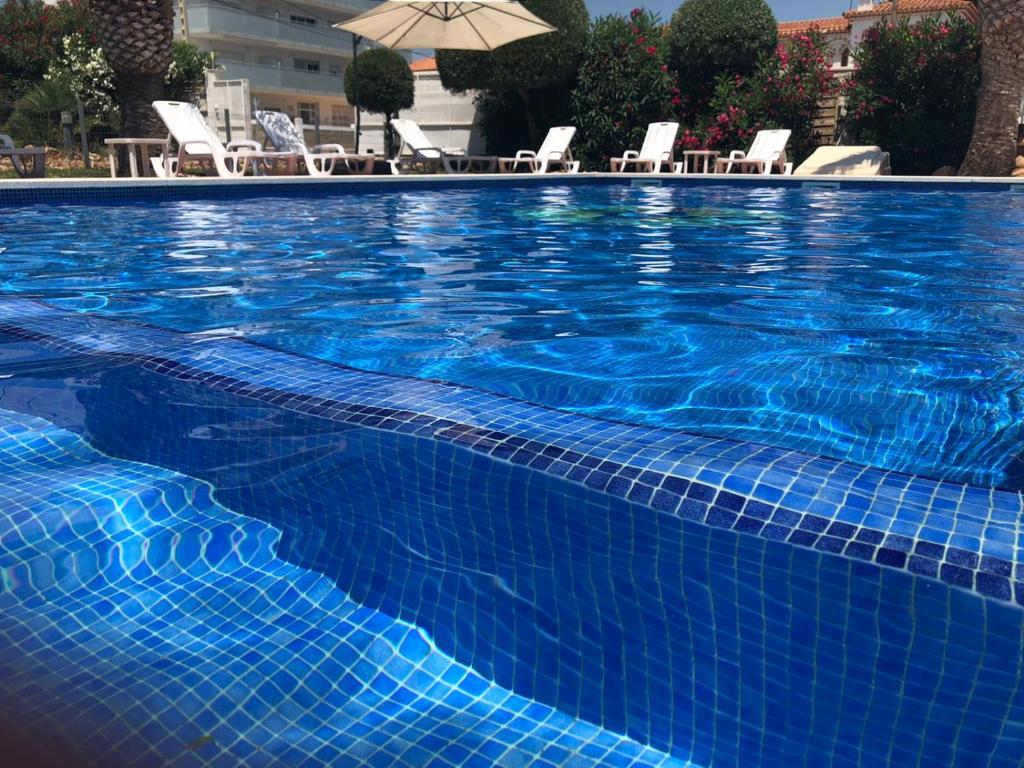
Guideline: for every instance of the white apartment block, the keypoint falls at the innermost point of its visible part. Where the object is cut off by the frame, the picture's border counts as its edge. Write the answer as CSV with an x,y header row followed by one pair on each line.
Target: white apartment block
x,y
292,57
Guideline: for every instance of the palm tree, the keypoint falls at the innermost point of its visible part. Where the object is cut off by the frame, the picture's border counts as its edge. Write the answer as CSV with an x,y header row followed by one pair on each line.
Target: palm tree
x,y
136,37
994,142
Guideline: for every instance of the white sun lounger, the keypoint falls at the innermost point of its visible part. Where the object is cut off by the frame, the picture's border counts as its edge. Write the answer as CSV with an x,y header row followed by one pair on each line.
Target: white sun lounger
x,y
425,154
197,143
767,153
658,150
322,159
553,154
845,161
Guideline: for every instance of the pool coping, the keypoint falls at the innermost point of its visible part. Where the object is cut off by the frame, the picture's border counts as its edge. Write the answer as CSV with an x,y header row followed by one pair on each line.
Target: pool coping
x,y
965,536
93,190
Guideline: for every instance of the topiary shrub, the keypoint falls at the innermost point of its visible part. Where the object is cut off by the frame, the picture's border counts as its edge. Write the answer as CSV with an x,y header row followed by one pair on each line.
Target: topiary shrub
x,y
624,84
712,38
526,68
914,92
379,80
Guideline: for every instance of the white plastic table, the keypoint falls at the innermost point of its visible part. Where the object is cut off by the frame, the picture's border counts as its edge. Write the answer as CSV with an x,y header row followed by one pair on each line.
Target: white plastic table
x,y
133,144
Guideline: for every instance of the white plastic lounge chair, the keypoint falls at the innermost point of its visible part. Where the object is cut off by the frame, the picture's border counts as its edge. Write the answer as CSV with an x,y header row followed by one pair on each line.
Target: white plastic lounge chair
x,y
197,143
554,153
423,153
37,167
845,161
768,152
322,159
658,150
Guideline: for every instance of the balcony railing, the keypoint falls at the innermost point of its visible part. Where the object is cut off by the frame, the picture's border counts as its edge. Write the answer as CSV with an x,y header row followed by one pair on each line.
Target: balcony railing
x,y
345,6
214,20
262,77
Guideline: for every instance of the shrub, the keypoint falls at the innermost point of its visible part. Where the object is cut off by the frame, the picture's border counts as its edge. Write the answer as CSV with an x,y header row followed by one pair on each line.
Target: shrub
x,y
529,69
31,35
914,92
624,84
379,80
784,92
713,38
186,77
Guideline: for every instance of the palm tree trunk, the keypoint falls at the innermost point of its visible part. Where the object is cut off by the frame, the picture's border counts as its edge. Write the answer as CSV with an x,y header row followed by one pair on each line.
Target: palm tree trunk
x,y
135,95
136,36
994,141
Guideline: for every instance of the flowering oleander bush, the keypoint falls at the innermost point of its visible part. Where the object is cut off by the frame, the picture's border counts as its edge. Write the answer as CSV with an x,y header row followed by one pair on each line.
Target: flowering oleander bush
x,y
784,92
31,35
624,84
81,68
914,92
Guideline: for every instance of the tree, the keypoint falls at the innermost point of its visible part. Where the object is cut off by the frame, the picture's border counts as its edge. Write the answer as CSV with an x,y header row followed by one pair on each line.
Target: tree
x,y
993,144
624,84
914,92
712,38
528,66
136,37
379,80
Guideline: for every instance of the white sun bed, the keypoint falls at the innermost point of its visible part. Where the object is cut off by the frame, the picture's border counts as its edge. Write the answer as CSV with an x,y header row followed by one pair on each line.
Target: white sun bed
x,y
422,153
554,154
322,160
658,150
845,161
198,143
767,153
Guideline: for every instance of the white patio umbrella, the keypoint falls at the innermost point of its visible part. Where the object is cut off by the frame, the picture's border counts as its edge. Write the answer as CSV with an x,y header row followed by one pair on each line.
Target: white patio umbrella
x,y
465,25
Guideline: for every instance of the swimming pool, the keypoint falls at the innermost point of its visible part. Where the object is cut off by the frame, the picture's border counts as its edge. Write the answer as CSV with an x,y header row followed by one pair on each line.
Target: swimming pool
x,y
506,423
882,327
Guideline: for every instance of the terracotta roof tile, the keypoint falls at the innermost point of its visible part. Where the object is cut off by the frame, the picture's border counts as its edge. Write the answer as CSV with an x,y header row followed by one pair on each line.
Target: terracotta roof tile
x,y
424,65
917,6
828,26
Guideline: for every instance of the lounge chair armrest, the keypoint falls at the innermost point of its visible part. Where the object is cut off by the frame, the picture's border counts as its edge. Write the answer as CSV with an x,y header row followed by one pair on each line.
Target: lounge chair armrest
x,y
244,144
525,154
737,154
6,142
630,154
329,148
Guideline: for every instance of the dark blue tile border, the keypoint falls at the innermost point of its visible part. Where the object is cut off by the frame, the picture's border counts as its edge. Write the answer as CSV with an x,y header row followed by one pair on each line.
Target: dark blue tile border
x,y
129,191
606,456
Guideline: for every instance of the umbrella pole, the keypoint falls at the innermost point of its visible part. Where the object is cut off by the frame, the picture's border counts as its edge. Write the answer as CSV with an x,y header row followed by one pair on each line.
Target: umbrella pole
x,y
355,86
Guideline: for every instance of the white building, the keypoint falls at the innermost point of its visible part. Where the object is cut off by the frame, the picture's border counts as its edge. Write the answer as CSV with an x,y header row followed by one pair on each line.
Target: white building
x,y
844,33
448,120
287,49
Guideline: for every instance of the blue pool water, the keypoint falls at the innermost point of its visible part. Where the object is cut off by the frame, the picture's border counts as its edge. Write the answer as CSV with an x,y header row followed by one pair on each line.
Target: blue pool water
x,y
882,327
514,477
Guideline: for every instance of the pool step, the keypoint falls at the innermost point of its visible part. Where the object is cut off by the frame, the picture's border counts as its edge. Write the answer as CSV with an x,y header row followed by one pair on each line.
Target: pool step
x,y
162,631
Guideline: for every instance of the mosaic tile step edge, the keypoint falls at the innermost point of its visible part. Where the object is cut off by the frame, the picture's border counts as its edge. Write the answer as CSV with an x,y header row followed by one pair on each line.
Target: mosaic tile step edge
x,y
128,191
163,631
969,538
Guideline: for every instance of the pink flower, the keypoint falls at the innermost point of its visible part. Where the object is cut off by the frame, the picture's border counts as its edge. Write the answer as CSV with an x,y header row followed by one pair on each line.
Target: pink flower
x,y
652,50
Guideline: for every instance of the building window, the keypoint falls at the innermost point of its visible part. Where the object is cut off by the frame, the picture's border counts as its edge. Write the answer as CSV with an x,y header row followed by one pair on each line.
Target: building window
x,y
845,60
308,112
307,65
270,61
307,20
